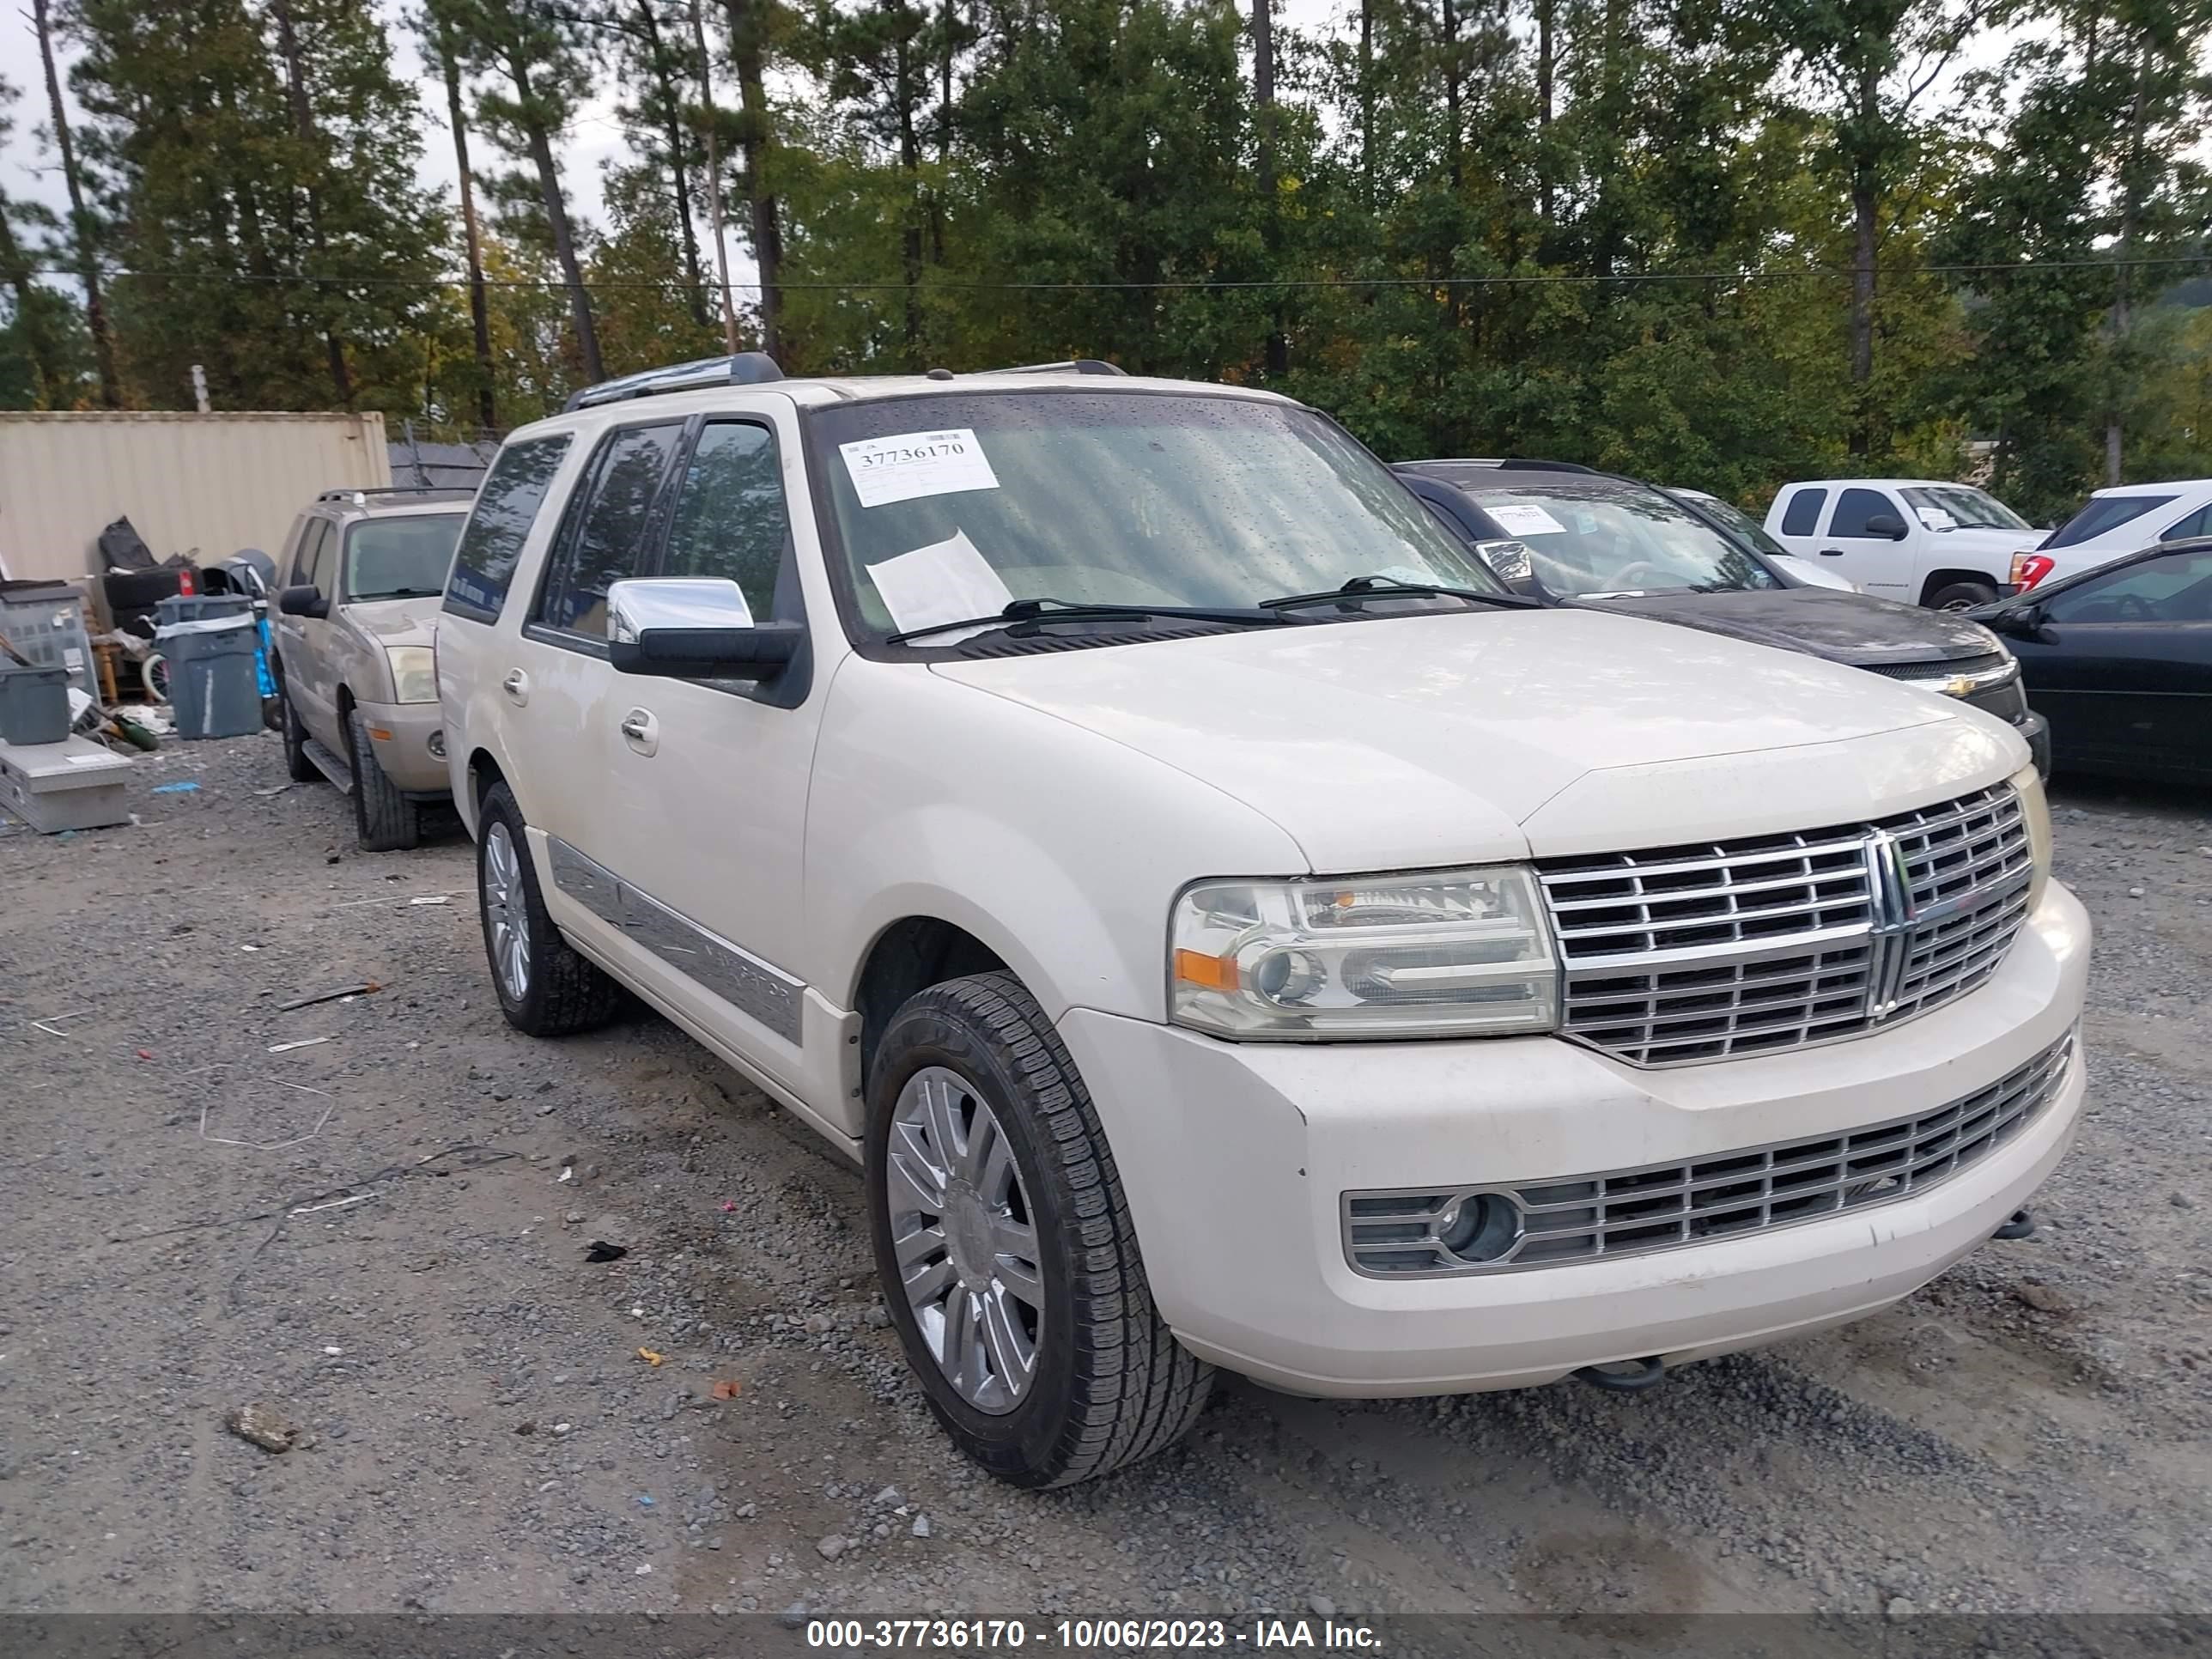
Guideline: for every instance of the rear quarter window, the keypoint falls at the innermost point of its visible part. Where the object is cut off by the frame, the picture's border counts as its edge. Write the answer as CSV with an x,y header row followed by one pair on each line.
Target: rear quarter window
x,y
506,507
1802,516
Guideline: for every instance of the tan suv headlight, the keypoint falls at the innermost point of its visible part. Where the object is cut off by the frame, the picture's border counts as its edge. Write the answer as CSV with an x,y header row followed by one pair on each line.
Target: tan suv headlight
x,y
1448,953
414,673
2028,785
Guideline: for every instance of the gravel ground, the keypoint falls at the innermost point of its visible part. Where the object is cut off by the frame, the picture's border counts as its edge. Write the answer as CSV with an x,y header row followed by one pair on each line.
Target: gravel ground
x,y
481,1432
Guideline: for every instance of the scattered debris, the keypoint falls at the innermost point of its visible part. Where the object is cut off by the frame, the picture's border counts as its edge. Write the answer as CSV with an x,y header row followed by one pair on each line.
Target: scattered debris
x,y
278,1146
47,1023
144,1053
274,1048
599,1251
335,1204
189,787
920,1527
525,1427
728,1205
724,1389
644,1568
332,1352
265,1426
645,1500
651,1357
367,987
264,794
434,898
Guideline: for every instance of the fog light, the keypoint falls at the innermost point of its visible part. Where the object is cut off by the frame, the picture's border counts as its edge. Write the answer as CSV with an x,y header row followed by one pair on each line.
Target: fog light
x,y
1478,1226
437,745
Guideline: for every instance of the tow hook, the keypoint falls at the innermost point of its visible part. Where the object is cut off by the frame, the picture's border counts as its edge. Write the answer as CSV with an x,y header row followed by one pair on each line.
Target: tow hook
x,y
1649,1373
2021,1225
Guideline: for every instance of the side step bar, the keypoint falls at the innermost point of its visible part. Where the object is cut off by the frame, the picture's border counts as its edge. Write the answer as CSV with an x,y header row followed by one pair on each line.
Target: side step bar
x,y
332,765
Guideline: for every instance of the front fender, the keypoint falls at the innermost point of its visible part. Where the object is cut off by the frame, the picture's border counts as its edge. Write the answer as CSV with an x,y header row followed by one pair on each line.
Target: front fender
x,y
1060,848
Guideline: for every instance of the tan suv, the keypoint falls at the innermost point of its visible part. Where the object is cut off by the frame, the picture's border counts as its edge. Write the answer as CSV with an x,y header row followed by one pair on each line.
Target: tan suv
x,y
359,588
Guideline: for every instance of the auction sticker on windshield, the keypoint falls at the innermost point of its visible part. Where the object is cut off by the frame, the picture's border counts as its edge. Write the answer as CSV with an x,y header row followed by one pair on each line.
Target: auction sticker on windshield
x,y
1523,519
905,465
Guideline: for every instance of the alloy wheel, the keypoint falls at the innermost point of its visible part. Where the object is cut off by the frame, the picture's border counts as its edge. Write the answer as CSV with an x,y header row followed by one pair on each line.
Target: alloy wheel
x,y
965,1238
502,902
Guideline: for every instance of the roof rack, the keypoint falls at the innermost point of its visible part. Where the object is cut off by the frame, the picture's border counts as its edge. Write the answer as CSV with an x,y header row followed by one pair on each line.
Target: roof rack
x,y
362,492
745,368
1072,365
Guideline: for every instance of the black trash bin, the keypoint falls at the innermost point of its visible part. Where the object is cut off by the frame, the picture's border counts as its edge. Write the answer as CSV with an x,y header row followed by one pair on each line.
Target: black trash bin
x,y
207,640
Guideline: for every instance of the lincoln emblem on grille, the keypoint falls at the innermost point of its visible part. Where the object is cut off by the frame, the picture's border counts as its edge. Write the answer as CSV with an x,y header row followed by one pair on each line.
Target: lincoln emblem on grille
x,y
1889,885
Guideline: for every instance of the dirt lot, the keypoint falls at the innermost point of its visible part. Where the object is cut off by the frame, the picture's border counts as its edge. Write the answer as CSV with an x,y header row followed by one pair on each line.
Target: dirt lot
x,y
2029,1432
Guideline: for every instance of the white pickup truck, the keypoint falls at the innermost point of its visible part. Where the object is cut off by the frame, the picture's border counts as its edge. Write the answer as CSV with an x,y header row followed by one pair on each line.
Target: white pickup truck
x,y
1225,925
1921,540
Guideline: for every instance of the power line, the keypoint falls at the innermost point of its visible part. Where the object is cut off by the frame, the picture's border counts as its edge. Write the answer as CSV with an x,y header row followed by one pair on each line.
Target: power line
x,y
1578,279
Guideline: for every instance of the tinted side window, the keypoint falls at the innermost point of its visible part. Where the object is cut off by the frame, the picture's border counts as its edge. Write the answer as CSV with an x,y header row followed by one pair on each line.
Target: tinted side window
x,y
1854,507
506,506
2174,589
729,519
2198,523
323,564
608,541
301,547
1802,516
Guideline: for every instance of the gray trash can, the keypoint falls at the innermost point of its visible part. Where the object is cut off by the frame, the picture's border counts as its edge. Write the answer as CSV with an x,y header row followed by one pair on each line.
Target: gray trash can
x,y
207,640
34,704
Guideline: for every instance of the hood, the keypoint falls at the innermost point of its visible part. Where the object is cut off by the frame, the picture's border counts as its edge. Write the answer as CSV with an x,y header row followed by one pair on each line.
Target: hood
x,y
1418,741
1848,628
1983,541
397,622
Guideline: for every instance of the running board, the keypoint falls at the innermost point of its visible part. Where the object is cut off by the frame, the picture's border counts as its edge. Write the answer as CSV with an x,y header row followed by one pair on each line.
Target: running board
x,y
331,765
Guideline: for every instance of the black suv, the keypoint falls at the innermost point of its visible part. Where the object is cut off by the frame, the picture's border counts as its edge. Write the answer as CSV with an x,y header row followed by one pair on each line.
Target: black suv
x,y
1568,535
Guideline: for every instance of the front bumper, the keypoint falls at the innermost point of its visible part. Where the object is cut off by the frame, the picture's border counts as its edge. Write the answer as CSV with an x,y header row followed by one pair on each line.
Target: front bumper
x,y
1234,1158
400,735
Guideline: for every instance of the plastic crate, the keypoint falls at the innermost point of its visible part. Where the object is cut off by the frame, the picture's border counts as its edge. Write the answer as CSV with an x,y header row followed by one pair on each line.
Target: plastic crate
x,y
44,622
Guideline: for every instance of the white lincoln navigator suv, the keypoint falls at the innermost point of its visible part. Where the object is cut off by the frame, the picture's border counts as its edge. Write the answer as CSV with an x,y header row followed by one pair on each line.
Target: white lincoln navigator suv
x,y
1228,928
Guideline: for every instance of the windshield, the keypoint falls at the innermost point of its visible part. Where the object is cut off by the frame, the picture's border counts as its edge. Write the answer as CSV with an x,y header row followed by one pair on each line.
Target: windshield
x,y
953,506
1602,540
400,558
1734,517
1961,507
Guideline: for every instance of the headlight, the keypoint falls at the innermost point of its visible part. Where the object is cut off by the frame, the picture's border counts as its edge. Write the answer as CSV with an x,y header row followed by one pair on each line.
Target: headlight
x,y
2037,812
1451,953
414,673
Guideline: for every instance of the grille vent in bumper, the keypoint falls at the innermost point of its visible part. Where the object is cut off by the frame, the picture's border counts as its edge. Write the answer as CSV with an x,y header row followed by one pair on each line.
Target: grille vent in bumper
x,y
1401,1234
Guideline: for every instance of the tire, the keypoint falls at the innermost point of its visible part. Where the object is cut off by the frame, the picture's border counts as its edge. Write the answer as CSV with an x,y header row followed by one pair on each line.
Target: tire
x,y
297,766
1958,596
556,991
1106,1383
385,820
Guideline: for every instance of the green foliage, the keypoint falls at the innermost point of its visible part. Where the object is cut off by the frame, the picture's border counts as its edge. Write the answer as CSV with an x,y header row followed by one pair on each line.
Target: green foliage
x,y
1721,243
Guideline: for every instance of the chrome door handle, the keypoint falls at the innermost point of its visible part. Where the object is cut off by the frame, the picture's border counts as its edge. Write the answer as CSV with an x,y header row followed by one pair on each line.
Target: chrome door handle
x,y
640,731
517,687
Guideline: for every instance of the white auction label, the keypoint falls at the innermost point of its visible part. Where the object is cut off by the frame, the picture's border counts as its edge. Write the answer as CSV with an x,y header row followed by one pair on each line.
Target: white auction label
x,y
1524,519
906,465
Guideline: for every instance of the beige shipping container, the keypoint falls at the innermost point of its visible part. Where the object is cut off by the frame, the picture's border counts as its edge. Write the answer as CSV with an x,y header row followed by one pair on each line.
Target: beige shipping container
x,y
214,483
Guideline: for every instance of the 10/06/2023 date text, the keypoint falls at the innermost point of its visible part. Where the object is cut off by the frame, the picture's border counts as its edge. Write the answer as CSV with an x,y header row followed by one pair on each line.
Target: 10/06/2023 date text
x,y
1090,1635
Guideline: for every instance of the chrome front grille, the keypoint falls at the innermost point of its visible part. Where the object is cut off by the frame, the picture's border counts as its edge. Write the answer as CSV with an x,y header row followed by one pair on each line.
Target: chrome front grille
x,y
1663,1206
1696,954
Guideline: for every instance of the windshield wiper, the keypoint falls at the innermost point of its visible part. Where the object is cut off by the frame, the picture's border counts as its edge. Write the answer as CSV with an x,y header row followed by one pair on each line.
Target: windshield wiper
x,y
1048,610
1389,588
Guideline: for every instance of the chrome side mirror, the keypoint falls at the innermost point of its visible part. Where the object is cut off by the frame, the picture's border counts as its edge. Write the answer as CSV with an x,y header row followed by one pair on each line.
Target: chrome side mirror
x,y
694,628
